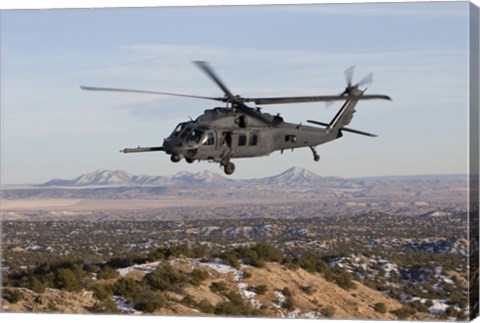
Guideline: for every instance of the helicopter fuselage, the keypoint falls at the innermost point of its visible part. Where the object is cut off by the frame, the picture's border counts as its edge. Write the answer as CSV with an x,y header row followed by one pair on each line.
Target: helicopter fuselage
x,y
221,134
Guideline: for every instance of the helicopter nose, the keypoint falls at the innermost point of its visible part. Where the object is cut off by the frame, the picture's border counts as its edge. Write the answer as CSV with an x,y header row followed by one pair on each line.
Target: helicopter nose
x,y
167,146
172,147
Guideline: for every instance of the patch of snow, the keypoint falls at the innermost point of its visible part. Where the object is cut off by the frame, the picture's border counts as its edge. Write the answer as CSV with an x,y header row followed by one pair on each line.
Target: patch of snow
x,y
238,276
125,306
294,314
242,287
337,262
281,299
438,307
312,315
219,266
146,268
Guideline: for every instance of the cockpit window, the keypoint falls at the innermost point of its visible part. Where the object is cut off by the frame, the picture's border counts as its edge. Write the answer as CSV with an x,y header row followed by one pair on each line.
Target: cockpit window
x,y
179,129
209,139
184,133
195,135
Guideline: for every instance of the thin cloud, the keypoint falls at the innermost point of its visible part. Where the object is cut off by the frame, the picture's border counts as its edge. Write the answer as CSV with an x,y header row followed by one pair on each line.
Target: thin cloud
x,y
421,10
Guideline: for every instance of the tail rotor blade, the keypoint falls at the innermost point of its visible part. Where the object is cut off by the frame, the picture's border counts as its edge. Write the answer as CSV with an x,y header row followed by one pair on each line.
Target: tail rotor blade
x,y
367,80
349,74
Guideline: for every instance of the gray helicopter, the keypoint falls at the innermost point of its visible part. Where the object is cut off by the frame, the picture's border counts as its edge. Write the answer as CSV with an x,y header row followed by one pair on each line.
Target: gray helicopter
x,y
239,131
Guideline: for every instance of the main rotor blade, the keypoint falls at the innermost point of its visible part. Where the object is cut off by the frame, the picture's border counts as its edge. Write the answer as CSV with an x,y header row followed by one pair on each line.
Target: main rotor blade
x,y
209,71
304,99
92,88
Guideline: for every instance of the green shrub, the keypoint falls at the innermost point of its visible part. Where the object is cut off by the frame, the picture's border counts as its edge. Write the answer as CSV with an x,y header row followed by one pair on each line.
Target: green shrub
x,y
38,285
218,287
247,274
235,306
166,278
107,272
309,290
226,308
340,277
261,289
328,311
12,295
268,252
197,276
128,288
120,262
286,292
231,258
105,306
289,305
250,257
67,279
148,301
188,301
451,311
419,307
311,264
404,312
380,308
206,307
156,254
102,292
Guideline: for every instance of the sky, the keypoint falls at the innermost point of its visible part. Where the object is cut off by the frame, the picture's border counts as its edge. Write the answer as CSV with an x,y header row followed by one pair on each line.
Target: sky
x,y
418,53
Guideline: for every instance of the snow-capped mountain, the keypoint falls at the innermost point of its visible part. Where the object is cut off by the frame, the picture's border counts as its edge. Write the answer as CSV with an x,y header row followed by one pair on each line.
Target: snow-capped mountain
x,y
293,177
99,177
121,178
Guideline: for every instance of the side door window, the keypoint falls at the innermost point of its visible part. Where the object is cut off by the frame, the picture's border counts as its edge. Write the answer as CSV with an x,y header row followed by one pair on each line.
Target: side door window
x,y
242,139
252,139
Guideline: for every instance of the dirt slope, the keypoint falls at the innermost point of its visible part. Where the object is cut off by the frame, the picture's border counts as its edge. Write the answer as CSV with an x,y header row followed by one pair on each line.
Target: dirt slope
x,y
312,295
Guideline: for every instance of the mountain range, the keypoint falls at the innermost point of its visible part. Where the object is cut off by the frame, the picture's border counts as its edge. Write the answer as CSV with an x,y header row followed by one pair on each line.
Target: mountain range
x,y
292,177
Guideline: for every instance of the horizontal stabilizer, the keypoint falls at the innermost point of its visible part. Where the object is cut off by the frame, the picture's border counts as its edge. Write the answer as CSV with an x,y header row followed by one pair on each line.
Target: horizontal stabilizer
x,y
358,132
141,149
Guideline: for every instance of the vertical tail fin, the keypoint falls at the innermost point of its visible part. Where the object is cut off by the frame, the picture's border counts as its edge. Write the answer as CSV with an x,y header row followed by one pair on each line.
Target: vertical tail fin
x,y
343,116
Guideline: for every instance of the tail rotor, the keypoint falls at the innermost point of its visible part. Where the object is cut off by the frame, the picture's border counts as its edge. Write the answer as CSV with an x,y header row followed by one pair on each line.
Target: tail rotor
x,y
354,89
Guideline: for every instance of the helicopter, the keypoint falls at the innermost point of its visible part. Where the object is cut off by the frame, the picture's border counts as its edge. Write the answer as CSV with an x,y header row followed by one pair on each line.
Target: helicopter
x,y
237,130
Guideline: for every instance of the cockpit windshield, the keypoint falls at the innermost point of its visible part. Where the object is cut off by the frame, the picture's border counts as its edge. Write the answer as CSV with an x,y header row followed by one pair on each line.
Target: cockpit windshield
x,y
178,130
187,132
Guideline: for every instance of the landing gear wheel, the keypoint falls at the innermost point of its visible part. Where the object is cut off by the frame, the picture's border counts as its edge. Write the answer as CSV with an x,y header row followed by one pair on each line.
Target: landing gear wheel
x,y
189,160
175,158
229,168
316,157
